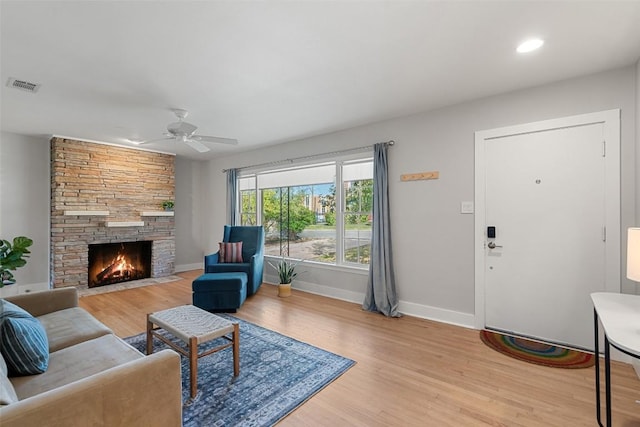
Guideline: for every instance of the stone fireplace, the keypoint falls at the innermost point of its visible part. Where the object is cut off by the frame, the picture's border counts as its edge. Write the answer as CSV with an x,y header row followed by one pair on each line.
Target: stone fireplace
x,y
103,194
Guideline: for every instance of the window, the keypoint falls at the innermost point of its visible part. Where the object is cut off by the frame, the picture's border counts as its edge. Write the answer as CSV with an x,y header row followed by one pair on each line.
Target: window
x,y
320,212
357,179
248,207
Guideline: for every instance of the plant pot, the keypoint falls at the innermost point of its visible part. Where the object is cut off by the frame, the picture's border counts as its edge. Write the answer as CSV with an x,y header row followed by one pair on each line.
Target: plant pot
x,y
284,290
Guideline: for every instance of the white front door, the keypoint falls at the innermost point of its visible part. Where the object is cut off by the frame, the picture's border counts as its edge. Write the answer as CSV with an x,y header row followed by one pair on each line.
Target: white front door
x,y
546,193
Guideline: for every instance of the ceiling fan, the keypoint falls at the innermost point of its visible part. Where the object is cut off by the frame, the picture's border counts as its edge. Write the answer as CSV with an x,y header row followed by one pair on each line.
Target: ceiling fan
x,y
185,132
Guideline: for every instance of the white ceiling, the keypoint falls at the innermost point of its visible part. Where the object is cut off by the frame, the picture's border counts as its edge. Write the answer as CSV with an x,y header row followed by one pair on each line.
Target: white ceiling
x,y
266,72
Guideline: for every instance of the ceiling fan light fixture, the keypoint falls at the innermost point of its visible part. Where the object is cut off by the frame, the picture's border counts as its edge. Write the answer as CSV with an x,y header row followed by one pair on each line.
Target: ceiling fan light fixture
x,y
184,133
180,113
530,45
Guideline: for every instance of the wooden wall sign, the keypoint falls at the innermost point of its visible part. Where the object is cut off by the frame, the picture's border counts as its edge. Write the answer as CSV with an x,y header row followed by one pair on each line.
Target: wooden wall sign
x,y
420,176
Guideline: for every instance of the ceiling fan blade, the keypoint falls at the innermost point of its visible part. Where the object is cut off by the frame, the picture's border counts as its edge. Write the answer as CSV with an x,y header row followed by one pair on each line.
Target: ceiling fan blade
x,y
215,139
199,147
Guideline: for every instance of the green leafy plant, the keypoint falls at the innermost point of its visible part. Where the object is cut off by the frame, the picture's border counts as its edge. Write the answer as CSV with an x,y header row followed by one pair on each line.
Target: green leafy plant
x,y
12,256
286,270
168,205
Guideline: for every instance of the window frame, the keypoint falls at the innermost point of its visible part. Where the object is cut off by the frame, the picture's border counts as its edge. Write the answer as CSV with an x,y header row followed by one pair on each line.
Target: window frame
x,y
340,214
344,212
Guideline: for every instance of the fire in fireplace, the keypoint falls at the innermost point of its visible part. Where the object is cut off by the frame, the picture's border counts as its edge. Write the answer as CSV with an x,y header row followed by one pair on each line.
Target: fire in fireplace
x,y
119,262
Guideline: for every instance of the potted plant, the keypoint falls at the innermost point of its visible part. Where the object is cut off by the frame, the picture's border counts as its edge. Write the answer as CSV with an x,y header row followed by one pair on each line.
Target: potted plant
x,y
168,205
13,256
286,273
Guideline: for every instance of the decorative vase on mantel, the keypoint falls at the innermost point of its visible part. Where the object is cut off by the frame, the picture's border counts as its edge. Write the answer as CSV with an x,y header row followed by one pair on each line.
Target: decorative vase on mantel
x,y
168,205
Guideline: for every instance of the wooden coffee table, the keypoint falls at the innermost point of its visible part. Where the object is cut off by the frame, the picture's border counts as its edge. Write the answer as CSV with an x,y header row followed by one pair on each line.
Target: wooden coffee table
x,y
194,326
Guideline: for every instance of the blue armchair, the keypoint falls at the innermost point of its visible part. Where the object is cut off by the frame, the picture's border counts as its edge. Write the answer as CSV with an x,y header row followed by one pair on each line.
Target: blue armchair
x,y
252,238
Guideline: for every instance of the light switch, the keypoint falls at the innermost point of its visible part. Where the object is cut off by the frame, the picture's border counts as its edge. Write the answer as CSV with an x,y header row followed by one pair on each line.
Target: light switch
x,y
466,207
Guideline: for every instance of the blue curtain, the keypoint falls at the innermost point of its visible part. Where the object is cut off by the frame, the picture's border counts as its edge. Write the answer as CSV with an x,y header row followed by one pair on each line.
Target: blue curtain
x,y
381,288
232,196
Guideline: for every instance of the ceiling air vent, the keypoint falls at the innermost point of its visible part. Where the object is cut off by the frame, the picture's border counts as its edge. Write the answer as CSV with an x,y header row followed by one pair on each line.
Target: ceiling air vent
x,y
23,85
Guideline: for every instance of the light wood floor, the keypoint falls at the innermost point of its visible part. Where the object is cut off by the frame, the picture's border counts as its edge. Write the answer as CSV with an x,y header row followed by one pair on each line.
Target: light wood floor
x,y
409,371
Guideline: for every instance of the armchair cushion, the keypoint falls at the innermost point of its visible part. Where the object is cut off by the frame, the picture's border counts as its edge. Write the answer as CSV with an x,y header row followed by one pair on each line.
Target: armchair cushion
x,y
230,252
237,267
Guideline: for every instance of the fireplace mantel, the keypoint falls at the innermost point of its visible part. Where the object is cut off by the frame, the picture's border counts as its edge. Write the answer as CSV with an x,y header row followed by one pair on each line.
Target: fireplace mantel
x,y
124,224
156,213
118,223
86,213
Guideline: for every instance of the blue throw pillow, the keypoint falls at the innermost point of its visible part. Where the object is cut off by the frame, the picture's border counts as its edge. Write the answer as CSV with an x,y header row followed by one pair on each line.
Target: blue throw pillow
x,y
23,340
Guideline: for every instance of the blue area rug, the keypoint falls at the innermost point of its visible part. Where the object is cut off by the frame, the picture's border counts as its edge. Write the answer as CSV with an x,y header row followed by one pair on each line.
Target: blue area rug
x,y
277,374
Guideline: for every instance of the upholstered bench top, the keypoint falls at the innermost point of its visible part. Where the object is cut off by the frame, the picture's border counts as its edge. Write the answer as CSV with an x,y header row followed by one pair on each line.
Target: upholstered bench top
x,y
223,281
220,291
188,321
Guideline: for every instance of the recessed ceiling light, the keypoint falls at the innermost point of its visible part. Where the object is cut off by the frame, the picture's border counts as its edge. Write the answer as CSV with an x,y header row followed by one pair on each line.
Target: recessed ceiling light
x,y
135,141
530,45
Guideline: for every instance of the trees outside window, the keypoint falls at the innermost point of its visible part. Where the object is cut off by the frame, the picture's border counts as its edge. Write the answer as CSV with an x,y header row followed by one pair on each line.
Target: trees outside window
x,y
357,220
248,201
291,217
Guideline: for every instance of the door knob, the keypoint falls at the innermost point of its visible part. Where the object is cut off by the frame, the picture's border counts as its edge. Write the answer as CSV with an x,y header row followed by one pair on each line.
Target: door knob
x,y
492,245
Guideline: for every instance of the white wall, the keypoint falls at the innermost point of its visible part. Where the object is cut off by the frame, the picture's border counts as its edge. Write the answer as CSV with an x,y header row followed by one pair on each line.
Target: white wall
x,y
188,219
636,362
433,242
24,200
636,223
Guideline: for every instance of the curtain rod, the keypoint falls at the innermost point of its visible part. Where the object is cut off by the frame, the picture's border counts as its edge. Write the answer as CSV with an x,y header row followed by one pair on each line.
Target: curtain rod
x,y
313,156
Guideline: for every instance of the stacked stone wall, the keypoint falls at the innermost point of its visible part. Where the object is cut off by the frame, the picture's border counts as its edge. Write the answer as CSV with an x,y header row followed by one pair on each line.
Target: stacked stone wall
x,y
88,177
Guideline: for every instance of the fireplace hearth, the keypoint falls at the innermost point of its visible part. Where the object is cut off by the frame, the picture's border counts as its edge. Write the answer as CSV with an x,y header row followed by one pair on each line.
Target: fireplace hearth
x,y
111,263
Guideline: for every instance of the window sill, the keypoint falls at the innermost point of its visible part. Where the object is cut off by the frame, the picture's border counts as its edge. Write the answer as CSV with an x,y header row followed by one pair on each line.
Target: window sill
x,y
353,269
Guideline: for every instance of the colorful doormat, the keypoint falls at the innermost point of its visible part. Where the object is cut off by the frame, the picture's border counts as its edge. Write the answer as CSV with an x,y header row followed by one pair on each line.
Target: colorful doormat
x,y
537,352
277,374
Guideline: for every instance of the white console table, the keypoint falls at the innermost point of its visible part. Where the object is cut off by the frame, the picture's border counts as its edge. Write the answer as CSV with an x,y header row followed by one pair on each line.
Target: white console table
x,y
619,315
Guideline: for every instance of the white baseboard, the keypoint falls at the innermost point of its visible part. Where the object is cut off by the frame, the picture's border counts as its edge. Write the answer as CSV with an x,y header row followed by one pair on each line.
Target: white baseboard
x,y
189,267
325,291
330,292
40,286
619,356
464,320
17,289
437,314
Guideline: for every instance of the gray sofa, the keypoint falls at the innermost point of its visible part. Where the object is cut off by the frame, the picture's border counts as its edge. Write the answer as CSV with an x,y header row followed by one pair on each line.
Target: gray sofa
x,y
94,378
